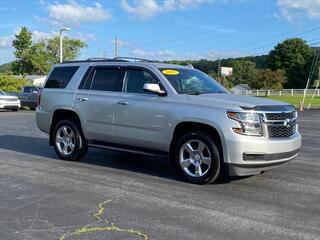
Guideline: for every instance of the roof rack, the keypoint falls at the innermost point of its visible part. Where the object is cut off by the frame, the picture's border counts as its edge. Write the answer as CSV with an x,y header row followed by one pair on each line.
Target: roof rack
x,y
116,59
133,59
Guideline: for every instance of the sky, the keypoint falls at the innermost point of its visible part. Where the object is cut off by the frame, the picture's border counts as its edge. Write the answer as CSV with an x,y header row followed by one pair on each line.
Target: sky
x,y
164,29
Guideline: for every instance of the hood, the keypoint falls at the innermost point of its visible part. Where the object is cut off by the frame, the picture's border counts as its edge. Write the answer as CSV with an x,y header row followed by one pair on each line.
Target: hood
x,y
231,101
6,97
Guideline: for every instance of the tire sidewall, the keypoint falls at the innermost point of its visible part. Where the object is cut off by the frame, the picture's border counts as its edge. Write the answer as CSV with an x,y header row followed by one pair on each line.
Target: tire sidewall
x,y
79,140
214,169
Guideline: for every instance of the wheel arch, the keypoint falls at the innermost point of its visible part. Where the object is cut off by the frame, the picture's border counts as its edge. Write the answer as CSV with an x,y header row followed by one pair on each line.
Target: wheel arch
x,y
187,126
59,115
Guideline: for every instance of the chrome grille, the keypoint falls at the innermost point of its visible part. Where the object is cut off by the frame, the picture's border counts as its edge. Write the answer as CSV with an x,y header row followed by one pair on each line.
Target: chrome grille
x,y
281,115
281,124
281,131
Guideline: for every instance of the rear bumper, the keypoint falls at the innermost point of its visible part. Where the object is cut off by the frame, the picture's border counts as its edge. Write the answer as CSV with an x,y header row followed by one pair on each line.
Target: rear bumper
x,y
29,103
43,120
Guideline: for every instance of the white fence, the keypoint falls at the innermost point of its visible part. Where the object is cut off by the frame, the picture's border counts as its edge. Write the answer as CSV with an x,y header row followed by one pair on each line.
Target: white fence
x,y
286,92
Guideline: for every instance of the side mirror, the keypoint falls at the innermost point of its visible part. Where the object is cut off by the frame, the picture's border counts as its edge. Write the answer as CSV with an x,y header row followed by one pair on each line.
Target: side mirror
x,y
153,88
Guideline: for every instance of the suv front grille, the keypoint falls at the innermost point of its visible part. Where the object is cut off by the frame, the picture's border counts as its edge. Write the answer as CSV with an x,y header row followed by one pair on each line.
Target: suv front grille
x,y
281,116
281,131
281,124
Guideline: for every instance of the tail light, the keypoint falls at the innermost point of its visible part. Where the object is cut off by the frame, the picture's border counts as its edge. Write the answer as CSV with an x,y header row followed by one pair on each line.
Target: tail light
x,y
39,99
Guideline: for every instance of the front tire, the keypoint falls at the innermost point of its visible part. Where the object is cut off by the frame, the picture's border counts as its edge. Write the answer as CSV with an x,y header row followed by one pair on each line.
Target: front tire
x,y
197,157
69,142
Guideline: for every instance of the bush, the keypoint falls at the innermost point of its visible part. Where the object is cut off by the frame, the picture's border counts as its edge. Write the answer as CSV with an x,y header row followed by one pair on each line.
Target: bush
x,y
10,83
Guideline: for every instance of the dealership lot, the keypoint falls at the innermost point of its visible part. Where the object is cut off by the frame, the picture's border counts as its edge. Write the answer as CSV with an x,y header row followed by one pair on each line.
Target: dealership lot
x,y
110,195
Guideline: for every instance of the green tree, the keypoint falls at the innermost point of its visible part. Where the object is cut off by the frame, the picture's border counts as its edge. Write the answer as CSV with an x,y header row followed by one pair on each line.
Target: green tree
x,y
10,83
40,58
268,79
244,71
293,56
44,54
22,43
71,48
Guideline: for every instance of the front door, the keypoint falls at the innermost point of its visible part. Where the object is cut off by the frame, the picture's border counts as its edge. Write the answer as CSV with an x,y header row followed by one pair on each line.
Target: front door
x,y
140,117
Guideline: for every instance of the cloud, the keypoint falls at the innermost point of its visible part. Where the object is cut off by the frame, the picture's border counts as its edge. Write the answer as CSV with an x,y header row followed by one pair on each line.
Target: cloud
x,y
38,36
171,55
146,9
296,9
158,55
6,42
72,13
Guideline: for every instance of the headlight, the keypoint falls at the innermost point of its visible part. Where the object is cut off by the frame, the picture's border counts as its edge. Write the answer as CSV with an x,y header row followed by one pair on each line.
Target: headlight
x,y
249,122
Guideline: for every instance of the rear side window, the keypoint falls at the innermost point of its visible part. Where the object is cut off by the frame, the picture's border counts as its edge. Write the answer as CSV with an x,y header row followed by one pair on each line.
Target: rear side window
x,y
60,77
106,79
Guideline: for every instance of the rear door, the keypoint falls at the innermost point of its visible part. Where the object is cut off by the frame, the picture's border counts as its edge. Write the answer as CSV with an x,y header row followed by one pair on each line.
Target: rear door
x,y
95,101
140,117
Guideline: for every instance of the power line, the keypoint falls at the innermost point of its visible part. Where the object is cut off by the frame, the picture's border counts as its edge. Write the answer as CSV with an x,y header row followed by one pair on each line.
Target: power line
x,y
275,42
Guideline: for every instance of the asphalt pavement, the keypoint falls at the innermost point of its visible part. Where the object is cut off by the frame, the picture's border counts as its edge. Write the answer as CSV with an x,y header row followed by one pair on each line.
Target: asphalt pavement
x,y
111,195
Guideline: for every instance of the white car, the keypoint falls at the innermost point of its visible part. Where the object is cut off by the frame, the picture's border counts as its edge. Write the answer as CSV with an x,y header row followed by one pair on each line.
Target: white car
x,y
9,102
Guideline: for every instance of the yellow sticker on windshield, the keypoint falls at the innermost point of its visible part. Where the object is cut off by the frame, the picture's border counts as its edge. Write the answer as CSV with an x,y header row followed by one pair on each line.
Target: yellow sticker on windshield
x,y
170,72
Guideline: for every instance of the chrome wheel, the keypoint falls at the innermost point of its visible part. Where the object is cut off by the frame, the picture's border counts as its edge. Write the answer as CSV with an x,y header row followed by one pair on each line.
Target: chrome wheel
x,y
65,140
195,158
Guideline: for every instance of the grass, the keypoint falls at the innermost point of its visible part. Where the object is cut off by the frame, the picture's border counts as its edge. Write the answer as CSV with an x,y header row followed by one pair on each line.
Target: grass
x,y
294,100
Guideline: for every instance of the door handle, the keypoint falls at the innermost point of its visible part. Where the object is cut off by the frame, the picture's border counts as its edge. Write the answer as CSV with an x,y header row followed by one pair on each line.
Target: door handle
x,y
82,99
123,103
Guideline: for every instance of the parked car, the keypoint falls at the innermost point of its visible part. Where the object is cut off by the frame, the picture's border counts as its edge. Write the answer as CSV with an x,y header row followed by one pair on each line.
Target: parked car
x,y
9,102
29,97
165,109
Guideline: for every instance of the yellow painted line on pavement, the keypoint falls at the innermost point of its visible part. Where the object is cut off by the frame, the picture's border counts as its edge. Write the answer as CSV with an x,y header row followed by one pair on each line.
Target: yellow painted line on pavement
x,y
113,228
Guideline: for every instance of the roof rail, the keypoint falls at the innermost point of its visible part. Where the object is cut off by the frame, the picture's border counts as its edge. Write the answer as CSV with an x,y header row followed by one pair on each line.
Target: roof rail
x,y
133,59
116,59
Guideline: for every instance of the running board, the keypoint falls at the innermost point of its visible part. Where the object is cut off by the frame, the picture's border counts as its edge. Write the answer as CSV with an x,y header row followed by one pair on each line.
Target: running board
x,y
124,148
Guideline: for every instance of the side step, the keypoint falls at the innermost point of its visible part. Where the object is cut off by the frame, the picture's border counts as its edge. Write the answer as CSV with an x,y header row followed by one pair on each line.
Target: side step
x,y
124,148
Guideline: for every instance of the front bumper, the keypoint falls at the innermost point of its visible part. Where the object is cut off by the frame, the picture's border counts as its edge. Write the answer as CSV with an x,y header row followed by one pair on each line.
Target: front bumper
x,y
10,105
251,155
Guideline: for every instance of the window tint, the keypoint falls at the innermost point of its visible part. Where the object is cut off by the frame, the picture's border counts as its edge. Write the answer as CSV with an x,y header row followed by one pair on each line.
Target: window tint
x,y
106,79
30,89
60,77
135,79
85,79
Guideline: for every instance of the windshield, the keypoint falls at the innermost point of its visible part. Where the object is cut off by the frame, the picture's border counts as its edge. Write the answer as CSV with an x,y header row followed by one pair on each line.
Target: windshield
x,y
192,81
2,93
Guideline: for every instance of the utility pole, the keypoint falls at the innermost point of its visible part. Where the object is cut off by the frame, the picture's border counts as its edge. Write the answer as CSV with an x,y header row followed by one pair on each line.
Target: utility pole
x,y
116,46
219,67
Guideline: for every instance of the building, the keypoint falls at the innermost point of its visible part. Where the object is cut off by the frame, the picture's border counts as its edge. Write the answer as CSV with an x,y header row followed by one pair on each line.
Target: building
x,y
240,88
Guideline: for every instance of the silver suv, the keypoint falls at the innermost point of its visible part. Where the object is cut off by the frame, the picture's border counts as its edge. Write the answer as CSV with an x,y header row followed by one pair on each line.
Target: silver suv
x,y
164,109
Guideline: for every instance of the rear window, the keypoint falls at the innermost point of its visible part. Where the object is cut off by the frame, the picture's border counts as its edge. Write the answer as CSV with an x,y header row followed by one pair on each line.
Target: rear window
x,y
30,89
60,77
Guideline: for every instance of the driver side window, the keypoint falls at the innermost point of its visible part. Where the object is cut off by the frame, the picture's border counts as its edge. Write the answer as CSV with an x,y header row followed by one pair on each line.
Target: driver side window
x,y
135,79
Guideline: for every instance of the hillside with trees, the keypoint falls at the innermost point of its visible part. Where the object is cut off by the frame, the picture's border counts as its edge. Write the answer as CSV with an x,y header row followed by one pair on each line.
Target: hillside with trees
x,y
288,65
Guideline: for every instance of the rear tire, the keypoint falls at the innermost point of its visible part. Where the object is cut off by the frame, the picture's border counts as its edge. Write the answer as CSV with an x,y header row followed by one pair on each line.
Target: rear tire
x,y
197,157
68,140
